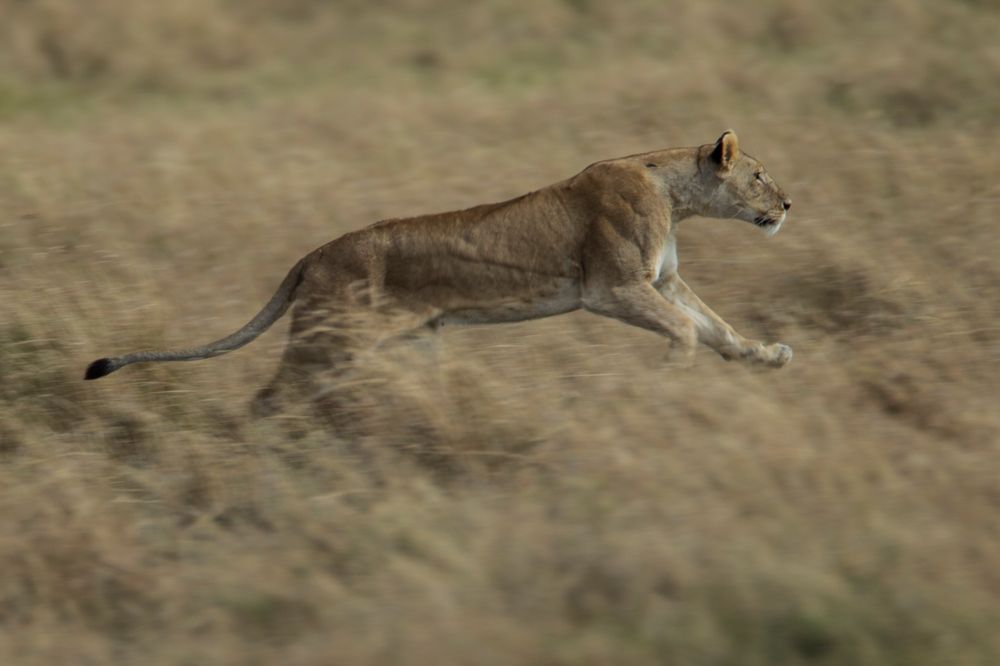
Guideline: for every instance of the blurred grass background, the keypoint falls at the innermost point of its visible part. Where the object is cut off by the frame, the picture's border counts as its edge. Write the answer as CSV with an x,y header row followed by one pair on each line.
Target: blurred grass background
x,y
554,492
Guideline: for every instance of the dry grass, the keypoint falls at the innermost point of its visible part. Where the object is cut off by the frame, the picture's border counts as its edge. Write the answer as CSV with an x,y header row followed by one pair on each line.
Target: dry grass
x,y
548,493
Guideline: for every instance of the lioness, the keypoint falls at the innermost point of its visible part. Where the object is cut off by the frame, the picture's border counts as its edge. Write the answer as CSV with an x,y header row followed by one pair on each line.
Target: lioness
x,y
603,240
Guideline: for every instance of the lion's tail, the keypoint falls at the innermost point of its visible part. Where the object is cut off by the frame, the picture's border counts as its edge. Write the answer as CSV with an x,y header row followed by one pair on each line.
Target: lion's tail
x,y
271,312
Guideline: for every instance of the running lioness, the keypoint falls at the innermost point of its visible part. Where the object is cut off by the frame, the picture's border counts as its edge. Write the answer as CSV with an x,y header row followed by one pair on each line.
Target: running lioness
x,y
603,240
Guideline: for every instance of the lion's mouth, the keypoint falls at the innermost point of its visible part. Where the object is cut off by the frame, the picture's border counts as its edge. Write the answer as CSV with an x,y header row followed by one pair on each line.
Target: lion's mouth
x,y
768,224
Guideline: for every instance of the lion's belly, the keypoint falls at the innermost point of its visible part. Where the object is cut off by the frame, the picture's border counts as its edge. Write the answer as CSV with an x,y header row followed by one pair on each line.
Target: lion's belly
x,y
561,299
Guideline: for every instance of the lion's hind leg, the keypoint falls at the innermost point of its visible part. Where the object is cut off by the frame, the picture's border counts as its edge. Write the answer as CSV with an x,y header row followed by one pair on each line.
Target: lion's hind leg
x,y
324,344
313,347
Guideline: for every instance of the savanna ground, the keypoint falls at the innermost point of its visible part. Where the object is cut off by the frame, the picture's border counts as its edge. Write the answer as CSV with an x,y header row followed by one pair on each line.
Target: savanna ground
x,y
555,492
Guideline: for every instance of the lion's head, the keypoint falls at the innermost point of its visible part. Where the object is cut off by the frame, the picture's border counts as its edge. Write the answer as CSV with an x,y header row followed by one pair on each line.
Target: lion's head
x,y
738,186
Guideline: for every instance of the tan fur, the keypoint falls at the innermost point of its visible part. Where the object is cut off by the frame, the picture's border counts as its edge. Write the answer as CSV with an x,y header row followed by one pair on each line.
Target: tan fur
x,y
603,240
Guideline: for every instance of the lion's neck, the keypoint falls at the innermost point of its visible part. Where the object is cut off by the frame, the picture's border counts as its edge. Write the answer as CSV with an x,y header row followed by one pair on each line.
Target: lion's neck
x,y
684,188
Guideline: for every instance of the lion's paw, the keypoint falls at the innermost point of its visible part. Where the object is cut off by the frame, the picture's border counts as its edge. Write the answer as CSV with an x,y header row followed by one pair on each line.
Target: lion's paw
x,y
779,354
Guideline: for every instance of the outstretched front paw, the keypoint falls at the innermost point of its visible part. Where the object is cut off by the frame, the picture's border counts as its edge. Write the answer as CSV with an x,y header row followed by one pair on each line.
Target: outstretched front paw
x,y
778,354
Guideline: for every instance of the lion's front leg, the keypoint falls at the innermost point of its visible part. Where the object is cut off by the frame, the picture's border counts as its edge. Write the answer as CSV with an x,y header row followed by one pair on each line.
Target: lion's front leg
x,y
716,333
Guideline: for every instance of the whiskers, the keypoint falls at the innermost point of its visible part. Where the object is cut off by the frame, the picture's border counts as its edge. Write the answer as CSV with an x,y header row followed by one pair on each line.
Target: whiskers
x,y
769,224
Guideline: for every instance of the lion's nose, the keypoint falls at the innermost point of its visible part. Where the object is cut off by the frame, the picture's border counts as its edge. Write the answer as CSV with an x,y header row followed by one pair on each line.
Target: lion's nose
x,y
787,203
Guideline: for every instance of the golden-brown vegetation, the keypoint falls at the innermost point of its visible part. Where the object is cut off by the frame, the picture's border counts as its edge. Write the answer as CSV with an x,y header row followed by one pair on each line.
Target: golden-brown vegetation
x,y
548,493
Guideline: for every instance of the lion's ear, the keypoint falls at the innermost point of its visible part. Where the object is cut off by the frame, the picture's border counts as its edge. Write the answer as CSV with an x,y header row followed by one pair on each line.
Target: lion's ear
x,y
726,150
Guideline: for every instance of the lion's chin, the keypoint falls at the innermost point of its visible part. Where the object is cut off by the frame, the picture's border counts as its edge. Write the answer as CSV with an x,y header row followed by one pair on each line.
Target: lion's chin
x,y
769,224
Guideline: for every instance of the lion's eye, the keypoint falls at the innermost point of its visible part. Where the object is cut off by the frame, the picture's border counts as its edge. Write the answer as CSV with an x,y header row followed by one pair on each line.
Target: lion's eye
x,y
759,176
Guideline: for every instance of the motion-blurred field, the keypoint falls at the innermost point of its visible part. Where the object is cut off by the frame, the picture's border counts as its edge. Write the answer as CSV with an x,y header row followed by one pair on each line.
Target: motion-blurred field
x,y
555,492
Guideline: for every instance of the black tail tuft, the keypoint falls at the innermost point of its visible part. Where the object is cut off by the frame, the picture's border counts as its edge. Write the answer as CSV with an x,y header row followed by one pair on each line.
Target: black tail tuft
x,y
99,368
